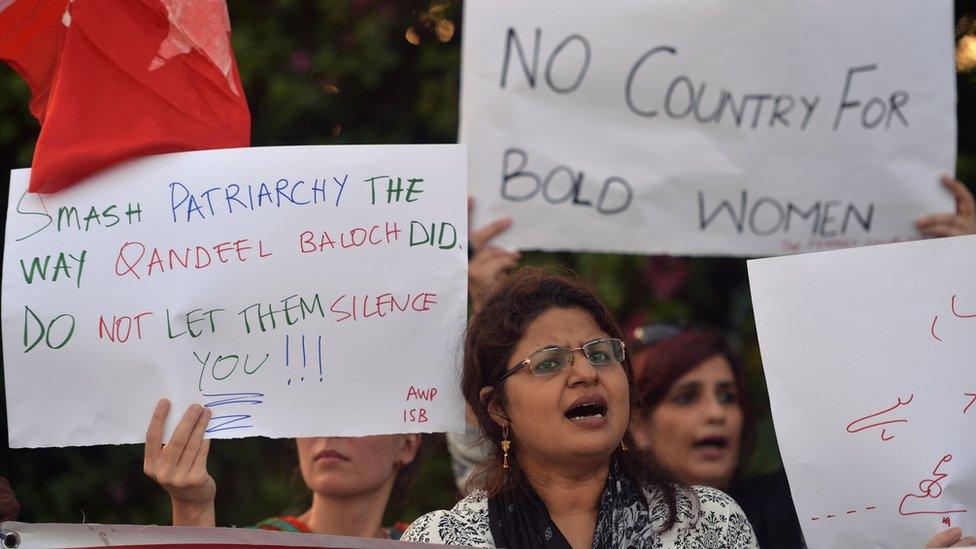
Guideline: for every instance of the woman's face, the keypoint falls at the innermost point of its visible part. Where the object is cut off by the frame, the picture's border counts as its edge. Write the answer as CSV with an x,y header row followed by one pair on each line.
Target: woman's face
x,y
580,413
697,428
351,466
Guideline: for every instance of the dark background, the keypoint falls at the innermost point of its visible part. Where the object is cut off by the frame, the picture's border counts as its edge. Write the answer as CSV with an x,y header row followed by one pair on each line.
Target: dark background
x,y
377,71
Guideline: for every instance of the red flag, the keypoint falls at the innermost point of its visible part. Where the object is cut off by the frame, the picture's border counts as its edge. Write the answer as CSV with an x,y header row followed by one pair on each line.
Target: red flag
x,y
31,34
114,80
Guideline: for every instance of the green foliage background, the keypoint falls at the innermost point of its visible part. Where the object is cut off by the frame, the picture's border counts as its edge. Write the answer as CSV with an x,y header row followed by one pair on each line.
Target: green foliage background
x,y
344,72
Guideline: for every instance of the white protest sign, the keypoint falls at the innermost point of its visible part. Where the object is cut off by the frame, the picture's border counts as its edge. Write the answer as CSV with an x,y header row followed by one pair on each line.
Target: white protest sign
x,y
709,127
296,291
869,360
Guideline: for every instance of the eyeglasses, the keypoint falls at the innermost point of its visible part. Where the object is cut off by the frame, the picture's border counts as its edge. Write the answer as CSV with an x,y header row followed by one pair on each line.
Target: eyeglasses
x,y
552,360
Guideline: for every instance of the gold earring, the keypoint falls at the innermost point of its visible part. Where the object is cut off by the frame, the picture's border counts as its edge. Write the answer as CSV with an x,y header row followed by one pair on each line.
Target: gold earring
x,y
623,446
506,444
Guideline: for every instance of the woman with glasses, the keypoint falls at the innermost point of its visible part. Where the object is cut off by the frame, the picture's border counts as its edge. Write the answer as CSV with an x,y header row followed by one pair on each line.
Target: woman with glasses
x,y
351,478
547,377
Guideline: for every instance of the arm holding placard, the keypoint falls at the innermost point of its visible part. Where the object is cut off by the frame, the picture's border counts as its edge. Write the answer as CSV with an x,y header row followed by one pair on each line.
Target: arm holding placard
x,y
487,262
951,224
180,465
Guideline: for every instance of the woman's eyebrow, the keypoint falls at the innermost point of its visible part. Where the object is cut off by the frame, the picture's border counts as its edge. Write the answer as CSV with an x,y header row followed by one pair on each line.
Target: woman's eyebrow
x,y
694,384
548,346
567,346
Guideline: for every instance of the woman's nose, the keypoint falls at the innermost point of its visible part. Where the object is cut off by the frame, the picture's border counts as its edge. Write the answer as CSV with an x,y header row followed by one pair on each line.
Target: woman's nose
x,y
580,369
714,411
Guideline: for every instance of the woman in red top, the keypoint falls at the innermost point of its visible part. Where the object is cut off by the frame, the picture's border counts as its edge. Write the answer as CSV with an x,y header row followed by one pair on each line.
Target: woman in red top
x,y
351,478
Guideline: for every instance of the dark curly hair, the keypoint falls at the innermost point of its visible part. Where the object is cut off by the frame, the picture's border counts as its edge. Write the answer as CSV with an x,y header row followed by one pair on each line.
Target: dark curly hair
x,y
495,331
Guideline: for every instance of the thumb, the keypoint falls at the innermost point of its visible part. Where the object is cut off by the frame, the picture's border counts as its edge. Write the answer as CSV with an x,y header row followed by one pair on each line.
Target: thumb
x,y
945,538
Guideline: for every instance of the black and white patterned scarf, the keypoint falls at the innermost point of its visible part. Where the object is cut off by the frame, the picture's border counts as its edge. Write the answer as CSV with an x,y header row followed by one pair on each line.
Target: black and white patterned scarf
x,y
521,520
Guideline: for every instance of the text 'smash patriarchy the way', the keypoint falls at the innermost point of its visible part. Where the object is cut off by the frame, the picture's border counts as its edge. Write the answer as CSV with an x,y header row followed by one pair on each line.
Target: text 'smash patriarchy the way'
x,y
295,291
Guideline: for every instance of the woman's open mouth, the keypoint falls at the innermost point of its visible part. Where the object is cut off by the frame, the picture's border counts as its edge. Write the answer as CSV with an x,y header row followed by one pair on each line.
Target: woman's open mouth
x,y
711,447
589,409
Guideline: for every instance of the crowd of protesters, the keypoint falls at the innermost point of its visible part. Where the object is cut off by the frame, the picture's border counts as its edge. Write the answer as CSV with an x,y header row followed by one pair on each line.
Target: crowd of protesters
x,y
579,435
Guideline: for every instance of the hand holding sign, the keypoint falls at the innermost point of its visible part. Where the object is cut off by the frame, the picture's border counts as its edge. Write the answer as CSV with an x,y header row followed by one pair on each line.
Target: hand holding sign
x,y
950,537
180,465
962,222
487,262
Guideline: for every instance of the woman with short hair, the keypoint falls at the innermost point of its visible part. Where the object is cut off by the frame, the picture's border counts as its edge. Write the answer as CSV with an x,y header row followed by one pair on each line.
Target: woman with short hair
x,y
547,377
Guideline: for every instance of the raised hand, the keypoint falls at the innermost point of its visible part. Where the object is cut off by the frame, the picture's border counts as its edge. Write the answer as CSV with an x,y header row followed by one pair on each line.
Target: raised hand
x,y
488,263
180,465
951,537
951,224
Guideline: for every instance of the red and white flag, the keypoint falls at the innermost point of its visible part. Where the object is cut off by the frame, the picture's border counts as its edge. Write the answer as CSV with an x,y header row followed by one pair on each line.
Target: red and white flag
x,y
114,80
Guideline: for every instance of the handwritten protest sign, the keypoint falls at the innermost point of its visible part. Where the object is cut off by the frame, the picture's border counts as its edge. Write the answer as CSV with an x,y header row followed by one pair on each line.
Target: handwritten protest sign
x,y
23,535
868,355
296,291
707,129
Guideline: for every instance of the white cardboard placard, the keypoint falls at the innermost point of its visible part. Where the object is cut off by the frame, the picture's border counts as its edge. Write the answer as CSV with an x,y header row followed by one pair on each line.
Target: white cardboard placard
x,y
869,355
708,128
296,291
